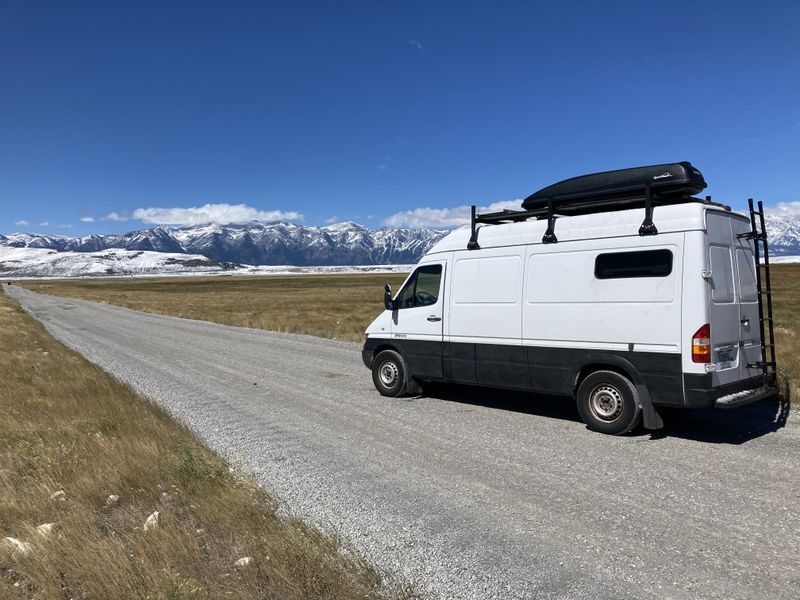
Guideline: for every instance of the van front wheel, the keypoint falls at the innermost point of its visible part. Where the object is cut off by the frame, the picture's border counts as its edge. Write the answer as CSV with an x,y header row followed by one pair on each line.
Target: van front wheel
x,y
608,403
389,373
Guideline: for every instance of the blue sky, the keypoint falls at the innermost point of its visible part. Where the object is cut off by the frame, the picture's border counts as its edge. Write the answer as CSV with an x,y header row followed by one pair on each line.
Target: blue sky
x,y
379,112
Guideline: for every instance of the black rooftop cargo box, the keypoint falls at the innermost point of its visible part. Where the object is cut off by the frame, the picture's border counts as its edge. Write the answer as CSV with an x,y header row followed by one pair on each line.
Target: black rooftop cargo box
x,y
613,190
638,187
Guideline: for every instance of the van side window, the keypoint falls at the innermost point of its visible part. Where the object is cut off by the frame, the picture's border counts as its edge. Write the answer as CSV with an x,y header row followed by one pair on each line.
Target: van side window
x,y
644,263
422,289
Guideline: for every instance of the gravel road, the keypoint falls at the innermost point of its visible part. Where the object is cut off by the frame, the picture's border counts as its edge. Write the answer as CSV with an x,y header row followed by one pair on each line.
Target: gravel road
x,y
470,493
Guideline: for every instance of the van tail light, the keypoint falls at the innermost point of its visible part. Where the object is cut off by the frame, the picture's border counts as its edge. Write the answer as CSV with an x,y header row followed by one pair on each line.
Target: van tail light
x,y
701,345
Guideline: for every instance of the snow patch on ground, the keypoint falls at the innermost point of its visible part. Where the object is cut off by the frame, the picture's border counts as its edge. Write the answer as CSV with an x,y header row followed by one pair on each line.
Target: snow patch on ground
x,y
350,269
784,259
43,262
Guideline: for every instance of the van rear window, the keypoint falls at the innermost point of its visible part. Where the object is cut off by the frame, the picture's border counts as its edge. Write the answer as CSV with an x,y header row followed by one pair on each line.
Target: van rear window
x,y
644,263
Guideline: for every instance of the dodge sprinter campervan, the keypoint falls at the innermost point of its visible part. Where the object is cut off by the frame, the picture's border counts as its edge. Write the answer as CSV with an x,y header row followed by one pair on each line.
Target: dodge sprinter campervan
x,y
618,289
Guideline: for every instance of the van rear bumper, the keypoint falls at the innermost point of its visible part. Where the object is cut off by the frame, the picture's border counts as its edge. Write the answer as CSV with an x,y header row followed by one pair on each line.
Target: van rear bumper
x,y
699,392
746,397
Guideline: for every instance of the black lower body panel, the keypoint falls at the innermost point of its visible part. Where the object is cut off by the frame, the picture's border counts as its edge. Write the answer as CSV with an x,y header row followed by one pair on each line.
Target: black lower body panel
x,y
498,365
535,368
459,363
424,358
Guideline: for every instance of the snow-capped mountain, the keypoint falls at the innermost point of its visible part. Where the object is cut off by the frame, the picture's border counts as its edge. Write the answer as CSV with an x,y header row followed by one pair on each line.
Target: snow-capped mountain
x,y
257,243
783,234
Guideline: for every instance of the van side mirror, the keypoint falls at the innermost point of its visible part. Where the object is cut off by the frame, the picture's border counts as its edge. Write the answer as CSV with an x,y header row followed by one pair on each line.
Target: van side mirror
x,y
388,302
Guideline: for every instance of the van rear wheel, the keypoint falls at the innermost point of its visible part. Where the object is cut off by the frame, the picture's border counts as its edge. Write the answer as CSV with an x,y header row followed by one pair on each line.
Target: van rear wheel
x,y
608,403
389,373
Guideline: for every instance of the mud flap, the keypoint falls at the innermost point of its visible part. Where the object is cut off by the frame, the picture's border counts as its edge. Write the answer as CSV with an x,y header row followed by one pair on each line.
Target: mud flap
x,y
650,416
413,388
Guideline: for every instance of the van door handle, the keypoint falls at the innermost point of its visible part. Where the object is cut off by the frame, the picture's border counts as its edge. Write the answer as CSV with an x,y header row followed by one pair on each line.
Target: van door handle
x,y
434,318
746,321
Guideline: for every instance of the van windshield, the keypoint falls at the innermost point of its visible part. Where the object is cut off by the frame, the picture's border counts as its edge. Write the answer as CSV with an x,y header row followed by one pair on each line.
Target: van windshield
x,y
422,288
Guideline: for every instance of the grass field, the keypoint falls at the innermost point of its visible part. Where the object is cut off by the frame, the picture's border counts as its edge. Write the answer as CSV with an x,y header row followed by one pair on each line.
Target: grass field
x,y
341,306
331,306
72,436
786,308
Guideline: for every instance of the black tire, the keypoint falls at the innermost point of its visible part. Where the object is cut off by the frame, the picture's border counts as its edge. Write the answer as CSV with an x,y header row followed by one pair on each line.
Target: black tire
x,y
608,403
389,373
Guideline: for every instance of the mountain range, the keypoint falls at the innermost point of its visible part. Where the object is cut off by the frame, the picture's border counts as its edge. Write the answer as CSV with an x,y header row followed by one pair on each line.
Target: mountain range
x,y
213,248
256,243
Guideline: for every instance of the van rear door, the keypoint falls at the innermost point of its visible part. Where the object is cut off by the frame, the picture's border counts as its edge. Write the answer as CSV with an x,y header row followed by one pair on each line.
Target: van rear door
x,y
735,339
747,294
724,305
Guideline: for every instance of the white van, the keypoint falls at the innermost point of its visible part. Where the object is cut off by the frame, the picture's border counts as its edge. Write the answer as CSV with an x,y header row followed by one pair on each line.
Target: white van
x,y
622,322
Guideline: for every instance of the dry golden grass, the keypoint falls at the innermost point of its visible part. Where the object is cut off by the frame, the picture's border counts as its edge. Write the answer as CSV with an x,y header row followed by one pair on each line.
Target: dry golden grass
x,y
331,306
69,426
786,309
341,306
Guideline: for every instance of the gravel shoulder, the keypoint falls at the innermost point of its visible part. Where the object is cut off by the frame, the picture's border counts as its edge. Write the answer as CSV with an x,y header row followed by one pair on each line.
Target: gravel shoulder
x,y
470,493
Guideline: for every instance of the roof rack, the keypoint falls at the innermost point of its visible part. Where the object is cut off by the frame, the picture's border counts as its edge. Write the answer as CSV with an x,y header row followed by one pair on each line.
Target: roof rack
x,y
639,187
516,216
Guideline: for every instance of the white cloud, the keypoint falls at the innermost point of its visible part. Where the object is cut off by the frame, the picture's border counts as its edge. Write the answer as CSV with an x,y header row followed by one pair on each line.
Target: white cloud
x,y
211,213
44,224
415,44
331,220
116,216
443,217
66,226
87,219
21,222
787,209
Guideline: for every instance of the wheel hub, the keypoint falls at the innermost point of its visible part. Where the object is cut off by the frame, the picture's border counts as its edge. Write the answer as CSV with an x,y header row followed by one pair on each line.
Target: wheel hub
x,y
388,374
606,403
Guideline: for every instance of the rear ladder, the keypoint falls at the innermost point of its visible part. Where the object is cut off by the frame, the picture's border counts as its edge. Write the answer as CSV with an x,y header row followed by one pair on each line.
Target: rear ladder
x,y
758,234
